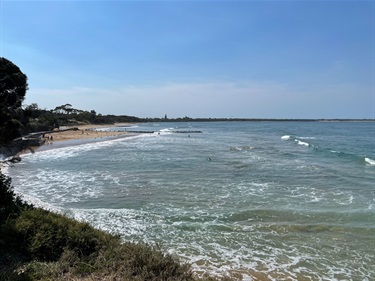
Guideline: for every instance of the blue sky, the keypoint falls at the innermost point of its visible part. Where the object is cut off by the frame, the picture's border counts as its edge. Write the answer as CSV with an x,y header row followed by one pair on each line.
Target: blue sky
x,y
248,59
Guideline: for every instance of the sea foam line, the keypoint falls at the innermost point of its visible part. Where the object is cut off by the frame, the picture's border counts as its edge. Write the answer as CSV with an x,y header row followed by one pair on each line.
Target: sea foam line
x,y
39,203
68,149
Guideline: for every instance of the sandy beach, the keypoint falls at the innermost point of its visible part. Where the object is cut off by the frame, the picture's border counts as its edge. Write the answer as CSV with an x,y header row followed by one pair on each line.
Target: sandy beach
x,y
84,132
78,132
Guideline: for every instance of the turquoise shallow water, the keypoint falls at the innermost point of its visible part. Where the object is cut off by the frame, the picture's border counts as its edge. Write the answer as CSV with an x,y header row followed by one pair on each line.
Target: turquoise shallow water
x,y
277,199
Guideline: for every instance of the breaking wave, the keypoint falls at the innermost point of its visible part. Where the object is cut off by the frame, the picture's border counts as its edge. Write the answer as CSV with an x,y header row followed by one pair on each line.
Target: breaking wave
x,y
298,140
370,161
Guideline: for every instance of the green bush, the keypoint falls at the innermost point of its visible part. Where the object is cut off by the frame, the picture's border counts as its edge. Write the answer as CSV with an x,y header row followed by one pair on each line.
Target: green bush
x,y
10,203
141,262
56,244
46,235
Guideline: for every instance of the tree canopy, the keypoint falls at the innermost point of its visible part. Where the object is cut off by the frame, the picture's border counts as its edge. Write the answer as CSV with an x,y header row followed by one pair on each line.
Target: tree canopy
x,y
13,85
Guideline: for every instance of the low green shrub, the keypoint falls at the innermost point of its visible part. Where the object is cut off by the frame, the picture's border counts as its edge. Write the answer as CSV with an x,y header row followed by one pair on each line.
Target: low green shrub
x,y
142,262
45,235
56,246
10,203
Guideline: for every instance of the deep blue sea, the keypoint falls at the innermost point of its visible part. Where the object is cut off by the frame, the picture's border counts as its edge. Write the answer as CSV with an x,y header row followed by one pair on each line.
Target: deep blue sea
x,y
270,200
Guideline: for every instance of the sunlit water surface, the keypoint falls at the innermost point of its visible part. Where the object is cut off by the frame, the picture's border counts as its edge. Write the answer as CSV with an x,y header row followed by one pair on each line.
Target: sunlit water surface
x,y
277,200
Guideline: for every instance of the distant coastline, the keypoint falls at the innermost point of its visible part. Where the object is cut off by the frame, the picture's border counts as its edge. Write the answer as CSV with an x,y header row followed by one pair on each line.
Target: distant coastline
x,y
188,119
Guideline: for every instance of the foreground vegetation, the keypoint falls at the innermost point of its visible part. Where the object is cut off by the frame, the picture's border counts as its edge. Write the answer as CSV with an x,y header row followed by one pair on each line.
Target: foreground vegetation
x,y
36,244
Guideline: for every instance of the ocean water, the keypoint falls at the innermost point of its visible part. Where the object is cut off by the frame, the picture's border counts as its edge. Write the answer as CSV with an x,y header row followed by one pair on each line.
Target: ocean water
x,y
269,200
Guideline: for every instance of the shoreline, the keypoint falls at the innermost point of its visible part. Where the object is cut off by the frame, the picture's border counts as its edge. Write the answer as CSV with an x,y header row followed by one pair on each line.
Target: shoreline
x,y
73,135
85,132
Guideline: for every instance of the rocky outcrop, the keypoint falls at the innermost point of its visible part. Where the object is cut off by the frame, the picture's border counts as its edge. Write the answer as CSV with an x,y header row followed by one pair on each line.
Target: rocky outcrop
x,y
10,150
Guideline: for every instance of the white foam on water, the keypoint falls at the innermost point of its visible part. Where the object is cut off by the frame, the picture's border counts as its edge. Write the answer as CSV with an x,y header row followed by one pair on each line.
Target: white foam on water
x,y
36,202
259,255
165,131
302,142
344,199
370,161
297,140
241,148
316,199
61,187
371,205
126,222
70,151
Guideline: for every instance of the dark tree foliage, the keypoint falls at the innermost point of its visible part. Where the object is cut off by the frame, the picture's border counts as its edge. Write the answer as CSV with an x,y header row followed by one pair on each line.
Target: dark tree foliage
x,y
10,203
13,85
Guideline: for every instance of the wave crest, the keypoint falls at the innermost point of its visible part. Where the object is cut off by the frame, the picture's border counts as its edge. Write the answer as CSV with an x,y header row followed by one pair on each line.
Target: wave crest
x,y
370,161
